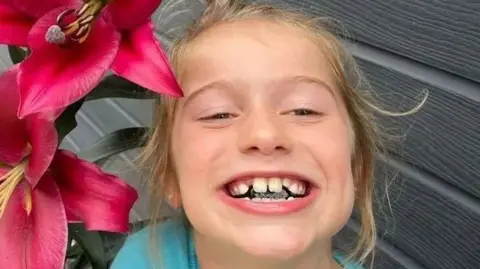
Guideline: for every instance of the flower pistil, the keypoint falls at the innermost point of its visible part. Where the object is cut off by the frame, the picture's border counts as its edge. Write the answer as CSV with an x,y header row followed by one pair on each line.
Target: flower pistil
x,y
74,26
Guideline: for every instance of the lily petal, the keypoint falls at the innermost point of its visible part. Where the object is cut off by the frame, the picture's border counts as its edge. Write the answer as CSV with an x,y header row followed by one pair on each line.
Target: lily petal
x,y
43,140
34,8
13,136
14,26
37,240
101,200
141,60
54,77
129,14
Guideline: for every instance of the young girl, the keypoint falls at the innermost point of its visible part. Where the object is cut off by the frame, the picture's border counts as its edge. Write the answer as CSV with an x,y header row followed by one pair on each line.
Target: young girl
x,y
268,152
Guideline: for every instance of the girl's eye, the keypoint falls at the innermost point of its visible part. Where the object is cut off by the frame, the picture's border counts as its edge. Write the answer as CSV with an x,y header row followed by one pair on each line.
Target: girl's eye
x,y
218,116
305,112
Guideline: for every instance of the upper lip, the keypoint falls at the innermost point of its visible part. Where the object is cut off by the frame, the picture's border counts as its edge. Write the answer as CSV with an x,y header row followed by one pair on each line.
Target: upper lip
x,y
269,174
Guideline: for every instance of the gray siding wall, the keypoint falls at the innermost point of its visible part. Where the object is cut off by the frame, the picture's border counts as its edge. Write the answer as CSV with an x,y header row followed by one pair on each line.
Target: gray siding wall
x,y
431,215
433,171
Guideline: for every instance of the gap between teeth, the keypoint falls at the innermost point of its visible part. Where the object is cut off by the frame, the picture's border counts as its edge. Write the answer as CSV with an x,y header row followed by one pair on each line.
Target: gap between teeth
x,y
275,185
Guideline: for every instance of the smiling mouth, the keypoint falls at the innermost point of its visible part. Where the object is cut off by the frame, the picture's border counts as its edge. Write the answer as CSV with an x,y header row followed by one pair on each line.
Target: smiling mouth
x,y
273,189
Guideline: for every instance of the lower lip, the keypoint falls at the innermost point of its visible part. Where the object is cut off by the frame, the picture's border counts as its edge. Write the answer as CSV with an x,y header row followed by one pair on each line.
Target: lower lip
x,y
270,208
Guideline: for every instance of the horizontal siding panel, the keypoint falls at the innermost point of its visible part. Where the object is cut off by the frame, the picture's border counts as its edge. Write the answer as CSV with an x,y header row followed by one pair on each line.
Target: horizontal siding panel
x,y
137,112
386,255
124,167
444,34
437,231
127,169
421,72
442,138
117,113
98,118
5,61
85,134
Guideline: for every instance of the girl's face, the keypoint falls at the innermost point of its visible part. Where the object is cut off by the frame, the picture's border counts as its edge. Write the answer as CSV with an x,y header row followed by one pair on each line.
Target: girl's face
x,y
261,119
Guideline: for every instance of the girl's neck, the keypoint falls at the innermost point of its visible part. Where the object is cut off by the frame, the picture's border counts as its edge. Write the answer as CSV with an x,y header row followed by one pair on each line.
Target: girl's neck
x,y
213,255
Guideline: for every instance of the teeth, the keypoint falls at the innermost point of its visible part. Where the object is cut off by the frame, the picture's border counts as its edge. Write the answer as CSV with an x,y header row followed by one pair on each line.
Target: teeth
x,y
242,188
287,182
267,200
260,184
297,188
301,189
234,190
275,185
294,188
239,189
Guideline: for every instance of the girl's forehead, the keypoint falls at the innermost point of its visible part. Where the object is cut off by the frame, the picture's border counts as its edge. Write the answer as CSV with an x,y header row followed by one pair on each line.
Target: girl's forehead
x,y
263,31
253,51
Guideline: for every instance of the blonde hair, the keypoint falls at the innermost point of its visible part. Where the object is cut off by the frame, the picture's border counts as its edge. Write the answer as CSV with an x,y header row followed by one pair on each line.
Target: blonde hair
x,y
352,87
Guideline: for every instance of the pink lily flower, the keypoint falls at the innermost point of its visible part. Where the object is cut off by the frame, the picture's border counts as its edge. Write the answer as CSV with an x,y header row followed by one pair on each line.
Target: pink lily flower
x,y
42,188
74,43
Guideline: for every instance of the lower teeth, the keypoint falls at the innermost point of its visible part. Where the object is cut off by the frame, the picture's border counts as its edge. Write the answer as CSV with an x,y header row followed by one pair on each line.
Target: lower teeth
x,y
266,200
270,195
284,195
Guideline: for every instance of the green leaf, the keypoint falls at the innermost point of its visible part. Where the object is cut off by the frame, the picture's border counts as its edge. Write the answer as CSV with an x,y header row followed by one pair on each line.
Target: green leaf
x,y
81,262
17,54
66,122
114,86
91,243
114,143
75,250
113,242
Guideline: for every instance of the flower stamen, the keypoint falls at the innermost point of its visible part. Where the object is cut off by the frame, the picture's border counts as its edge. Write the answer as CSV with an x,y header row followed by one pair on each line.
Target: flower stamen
x,y
74,26
28,201
9,182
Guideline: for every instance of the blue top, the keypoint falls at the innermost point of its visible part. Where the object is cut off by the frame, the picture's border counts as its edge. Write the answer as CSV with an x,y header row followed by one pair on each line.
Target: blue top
x,y
178,250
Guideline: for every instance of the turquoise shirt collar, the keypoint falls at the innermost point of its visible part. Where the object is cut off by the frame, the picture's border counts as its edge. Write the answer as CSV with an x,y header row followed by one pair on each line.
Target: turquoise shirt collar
x,y
176,242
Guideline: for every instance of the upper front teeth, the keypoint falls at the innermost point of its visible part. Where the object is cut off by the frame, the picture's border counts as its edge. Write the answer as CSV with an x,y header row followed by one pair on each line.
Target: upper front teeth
x,y
260,185
275,184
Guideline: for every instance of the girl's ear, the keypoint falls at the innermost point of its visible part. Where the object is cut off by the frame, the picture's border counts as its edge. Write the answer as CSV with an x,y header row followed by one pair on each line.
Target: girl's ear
x,y
174,198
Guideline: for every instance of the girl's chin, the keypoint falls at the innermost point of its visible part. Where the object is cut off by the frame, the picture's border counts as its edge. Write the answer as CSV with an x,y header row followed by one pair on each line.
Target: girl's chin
x,y
276,246
273,251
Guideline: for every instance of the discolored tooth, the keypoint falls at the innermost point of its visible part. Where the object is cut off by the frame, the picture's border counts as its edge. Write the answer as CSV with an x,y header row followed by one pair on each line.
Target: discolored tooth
x,y
234,190
301,188
242,188
287,182
259,184
294,188
275,185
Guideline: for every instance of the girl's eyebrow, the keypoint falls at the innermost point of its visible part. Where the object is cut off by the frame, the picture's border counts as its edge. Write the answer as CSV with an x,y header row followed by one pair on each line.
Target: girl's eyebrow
x,y
306,79
219,84
212,85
